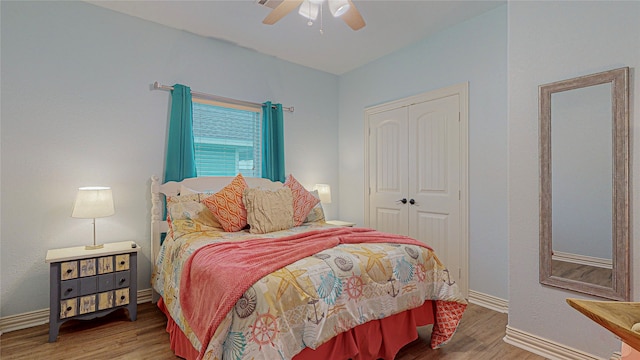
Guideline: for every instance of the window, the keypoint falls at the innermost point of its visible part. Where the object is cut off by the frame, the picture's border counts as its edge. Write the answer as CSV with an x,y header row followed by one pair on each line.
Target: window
x,y
228,139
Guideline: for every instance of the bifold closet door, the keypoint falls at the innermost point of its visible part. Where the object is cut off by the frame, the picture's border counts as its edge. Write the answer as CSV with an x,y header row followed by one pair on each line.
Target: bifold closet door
x,y
416,173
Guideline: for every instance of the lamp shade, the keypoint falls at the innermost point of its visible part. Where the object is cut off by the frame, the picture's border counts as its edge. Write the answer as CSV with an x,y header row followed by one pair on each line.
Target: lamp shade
x,y
309,10
93,202
324,192
338,7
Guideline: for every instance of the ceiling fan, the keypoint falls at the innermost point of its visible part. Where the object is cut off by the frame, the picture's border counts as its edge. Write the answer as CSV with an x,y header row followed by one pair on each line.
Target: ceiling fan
x,y
344,9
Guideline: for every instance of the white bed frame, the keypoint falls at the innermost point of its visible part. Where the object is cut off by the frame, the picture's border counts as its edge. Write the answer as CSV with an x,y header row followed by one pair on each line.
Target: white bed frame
x,y
171,188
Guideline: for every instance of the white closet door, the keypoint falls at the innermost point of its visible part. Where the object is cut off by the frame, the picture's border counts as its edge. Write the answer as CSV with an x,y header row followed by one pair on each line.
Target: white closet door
x,y
434,178
388,164
417,150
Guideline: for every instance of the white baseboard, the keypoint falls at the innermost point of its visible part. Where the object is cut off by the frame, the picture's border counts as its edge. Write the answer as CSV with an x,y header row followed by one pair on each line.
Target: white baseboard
x,y
547,348
144,296
488,301
582,260
39,317
616,356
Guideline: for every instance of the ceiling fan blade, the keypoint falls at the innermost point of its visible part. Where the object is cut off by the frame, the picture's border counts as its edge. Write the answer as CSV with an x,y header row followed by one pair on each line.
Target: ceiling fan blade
x,y
280,11
353,17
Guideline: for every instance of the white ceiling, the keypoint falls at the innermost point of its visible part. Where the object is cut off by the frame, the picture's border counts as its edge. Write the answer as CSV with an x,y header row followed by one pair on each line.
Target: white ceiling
x,y
391,25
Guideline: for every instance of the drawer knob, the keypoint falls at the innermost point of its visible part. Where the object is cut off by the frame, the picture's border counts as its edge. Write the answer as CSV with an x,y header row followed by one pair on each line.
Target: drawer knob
x,y
122,297
69,290
69,308
122,280
122,262
69,271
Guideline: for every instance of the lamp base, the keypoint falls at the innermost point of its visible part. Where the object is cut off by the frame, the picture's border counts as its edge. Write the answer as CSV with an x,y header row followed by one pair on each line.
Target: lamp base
x,y
93,247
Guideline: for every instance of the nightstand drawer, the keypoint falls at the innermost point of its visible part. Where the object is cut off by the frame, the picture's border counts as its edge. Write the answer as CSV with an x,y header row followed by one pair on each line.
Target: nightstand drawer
x,y
69,289
105,264
88,285
68,308
122,297
87,304
68,270
87,267
122,279
122,262
105,300
106,282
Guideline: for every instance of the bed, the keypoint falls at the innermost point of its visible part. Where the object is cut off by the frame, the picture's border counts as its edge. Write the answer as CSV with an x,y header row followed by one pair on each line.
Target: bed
x,y
307,291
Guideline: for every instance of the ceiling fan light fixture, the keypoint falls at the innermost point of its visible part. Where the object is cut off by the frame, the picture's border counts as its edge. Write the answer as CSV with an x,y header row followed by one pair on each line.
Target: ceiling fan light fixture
x,y
309,9
338,7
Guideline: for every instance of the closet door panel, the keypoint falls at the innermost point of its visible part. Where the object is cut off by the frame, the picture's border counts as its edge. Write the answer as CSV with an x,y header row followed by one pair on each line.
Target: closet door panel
x,y
434,177
388,163
435,228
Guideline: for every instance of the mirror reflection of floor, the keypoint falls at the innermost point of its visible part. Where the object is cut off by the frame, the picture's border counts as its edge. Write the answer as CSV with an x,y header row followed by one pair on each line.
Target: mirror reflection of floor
x,y
585,273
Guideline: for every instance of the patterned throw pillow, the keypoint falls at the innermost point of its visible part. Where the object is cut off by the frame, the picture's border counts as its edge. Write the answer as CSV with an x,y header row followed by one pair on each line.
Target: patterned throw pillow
x,y
187,211
226,205
303,201
268,210
317,213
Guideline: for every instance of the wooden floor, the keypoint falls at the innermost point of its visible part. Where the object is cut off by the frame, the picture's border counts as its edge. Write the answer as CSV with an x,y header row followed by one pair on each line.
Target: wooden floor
x,y
479,337
585,273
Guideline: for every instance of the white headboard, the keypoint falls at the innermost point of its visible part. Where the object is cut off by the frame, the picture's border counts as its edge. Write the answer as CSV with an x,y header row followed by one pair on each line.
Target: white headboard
x,y
172,188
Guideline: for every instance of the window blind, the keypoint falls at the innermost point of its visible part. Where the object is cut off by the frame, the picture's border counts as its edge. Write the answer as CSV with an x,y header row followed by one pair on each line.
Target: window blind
x,y
227,140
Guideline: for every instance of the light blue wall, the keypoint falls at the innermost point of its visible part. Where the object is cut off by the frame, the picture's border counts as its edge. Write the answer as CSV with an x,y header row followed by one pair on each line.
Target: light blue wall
x,y
77,110
551,41
474,51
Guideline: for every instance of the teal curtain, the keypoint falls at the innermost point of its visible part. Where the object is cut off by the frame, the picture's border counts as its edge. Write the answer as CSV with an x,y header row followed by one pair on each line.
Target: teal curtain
x,y
181,160
272,142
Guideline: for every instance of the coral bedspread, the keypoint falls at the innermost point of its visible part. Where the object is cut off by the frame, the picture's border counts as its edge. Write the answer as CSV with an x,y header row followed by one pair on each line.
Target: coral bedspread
x,y
241,297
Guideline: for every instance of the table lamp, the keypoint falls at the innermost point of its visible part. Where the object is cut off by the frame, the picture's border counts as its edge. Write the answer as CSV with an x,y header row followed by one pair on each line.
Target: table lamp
x,y
324,193
93,202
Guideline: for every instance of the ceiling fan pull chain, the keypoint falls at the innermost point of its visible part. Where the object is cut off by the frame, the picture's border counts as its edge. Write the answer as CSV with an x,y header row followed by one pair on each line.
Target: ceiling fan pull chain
x,y
310,23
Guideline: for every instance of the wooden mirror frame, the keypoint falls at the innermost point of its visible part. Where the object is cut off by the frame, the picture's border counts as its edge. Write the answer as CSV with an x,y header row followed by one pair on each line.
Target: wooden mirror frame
x,y
620,281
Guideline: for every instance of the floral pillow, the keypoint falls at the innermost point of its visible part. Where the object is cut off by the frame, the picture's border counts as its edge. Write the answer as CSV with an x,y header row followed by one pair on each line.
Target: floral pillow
x,y
268,210
186,213
303,200
226,205
317,213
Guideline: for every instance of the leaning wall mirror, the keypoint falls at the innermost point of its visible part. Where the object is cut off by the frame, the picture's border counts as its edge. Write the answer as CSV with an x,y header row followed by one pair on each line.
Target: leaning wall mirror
x,y
584,184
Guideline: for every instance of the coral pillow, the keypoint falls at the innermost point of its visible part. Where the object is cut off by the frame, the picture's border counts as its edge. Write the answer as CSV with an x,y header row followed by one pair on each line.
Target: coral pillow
x,y
303,201
226,205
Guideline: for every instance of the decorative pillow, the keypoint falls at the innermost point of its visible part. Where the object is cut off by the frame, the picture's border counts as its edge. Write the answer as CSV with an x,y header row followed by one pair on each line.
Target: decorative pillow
x,y
188,213
268,210
316,213
226,205
303,201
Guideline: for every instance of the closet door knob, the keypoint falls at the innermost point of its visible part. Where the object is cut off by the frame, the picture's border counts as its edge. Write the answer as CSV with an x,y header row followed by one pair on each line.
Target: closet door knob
x,y
403,200
412,202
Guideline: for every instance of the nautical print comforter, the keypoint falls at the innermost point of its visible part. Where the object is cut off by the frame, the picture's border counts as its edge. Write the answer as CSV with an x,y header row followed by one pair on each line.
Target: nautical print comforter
x,y
312,299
